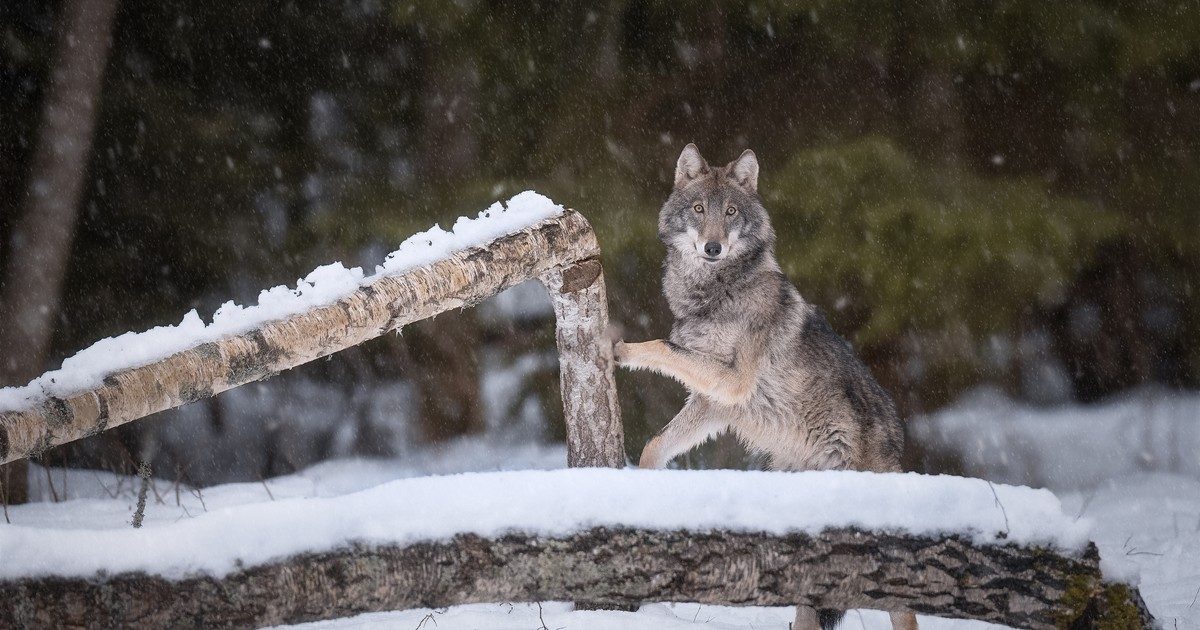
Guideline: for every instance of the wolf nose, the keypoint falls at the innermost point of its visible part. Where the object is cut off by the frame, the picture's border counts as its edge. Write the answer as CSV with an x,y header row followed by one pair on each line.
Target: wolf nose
x,y
712,248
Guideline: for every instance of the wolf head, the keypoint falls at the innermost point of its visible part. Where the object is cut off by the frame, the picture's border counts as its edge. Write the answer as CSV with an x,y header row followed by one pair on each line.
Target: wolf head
x,y
714,216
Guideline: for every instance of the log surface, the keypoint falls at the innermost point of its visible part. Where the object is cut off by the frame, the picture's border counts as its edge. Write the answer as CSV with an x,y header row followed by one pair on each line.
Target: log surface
x,y
595,436
843,569
547,249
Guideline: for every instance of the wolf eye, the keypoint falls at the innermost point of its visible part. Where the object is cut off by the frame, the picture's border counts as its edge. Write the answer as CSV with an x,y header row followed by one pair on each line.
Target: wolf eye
x,y
698,208
730,211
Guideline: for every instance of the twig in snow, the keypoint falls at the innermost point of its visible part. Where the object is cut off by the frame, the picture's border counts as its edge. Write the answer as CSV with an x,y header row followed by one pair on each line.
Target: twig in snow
x,y
111,495
120,485
175,486
264,484
428,617
4,495
157,496
541,619
185,511
1194,598
144,474
50,480
200,495
1086,503
1133,551
1003,511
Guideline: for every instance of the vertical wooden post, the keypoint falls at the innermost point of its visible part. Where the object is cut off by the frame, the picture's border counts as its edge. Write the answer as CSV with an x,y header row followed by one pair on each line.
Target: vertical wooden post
x,y
595,436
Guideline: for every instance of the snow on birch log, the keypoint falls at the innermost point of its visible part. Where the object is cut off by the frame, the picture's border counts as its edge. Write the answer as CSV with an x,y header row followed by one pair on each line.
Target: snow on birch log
x,y
840,569
941,545
562,250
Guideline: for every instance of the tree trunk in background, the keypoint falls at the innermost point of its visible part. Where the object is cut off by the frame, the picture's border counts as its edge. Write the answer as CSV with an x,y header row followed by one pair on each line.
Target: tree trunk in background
x,y
445,367
42,234
449,140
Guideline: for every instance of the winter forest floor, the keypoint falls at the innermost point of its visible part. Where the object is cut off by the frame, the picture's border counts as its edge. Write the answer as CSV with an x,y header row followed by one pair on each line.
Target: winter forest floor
x,y
1140,490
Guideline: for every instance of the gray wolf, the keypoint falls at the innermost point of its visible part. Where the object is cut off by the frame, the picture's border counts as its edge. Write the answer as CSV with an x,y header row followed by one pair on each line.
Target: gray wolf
x,y
755,357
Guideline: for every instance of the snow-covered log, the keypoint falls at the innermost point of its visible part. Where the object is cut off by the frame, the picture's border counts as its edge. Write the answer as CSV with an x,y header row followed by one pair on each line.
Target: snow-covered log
x,y
561,250
941,545
951,577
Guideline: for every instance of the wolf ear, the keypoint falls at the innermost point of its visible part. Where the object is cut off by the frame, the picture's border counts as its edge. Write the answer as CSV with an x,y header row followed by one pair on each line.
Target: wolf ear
x,y
691,165
744,170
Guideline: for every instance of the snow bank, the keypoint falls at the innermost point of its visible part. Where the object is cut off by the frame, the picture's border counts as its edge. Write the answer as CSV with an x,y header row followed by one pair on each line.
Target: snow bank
x,y
1066,447
1148,533
549,503
323,285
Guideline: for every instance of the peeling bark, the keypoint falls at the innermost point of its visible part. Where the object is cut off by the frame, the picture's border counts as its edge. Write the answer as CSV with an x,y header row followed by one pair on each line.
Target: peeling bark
x,y
595,436
839,569
462,280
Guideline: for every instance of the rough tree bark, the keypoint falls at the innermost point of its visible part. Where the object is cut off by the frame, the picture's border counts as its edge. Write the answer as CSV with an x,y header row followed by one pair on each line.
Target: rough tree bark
x,y
595,436
461,280
841,569
42,234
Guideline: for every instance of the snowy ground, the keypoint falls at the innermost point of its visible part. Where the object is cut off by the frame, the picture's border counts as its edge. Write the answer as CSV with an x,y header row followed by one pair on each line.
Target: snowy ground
x,y
560,615
1070,447
1145,518
1131,464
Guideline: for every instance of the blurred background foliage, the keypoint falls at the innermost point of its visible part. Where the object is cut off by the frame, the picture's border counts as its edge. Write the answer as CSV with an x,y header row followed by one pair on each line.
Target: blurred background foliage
x,y
1002,192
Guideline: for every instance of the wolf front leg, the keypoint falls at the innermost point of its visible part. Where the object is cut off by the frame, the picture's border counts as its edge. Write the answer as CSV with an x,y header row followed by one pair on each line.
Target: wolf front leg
x,y
696,422
726,383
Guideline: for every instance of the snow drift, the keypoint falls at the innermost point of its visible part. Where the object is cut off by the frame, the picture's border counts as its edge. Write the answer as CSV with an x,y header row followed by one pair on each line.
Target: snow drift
x,y
550,503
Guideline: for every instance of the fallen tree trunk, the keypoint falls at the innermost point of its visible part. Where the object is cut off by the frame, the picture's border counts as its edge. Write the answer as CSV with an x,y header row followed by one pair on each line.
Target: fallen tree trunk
x,y
841,569
558,248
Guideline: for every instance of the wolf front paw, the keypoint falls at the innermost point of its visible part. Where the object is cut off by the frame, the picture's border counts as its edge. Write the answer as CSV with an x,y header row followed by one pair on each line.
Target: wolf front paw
x,y
620,352
636,355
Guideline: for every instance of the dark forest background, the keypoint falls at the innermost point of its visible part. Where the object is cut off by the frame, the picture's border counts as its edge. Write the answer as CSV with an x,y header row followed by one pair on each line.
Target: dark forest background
x,y
976,192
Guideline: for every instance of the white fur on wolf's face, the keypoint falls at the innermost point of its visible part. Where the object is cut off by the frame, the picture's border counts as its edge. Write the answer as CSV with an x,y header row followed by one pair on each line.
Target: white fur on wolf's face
x,y
698,244
713,214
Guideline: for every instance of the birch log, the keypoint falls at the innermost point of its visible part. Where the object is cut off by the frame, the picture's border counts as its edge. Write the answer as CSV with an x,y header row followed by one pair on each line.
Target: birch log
x,y
840,569
552,250
595,436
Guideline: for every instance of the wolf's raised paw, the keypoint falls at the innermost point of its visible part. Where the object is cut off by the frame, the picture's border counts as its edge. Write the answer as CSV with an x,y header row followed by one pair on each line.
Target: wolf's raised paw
x,y
621,352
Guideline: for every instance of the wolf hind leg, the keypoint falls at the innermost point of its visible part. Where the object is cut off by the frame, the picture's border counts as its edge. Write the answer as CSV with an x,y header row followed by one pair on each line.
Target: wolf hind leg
x,y
695,423
809,618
